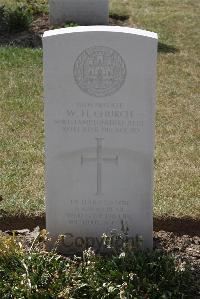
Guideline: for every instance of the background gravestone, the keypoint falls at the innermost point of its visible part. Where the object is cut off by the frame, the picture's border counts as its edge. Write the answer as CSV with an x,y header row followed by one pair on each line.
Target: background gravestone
x,y
83,12
100,118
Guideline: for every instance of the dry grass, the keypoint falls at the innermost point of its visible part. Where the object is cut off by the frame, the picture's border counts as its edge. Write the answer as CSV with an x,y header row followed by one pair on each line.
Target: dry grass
x,y
177,191
178,136
21,130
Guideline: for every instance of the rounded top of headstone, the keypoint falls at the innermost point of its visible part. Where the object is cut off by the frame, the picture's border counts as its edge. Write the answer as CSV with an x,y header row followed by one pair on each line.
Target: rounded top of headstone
x,y
99,71
110,29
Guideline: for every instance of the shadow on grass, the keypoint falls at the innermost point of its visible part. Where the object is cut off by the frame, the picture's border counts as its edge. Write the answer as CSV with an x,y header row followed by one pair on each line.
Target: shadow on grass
x,y
179,226
118,16
29,40
21,222
164,48
23,40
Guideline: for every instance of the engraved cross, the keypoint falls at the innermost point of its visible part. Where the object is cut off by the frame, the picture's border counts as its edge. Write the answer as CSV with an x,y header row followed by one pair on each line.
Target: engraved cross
x,y
99,159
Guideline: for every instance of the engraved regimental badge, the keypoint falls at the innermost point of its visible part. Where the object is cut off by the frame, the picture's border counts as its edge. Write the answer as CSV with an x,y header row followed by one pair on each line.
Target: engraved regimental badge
x,y
99,71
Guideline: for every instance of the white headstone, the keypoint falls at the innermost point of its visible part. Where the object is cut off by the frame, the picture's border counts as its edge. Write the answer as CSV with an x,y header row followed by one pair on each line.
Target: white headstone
x,y
100,84
83,12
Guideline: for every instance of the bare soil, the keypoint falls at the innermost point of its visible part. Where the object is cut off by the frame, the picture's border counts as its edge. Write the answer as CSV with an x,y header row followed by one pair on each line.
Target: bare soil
x,y
185,248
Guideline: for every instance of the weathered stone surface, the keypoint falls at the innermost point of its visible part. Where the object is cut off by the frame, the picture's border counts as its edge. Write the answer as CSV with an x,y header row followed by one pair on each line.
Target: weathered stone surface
x,y
99,118
83,12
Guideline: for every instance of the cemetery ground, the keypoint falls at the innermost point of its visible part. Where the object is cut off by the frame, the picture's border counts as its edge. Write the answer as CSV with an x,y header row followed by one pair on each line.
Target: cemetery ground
x,y
176,196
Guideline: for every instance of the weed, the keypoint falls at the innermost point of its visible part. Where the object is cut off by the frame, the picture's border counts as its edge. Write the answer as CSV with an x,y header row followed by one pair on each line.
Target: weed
x,y
3,19
36,7
19,19
15,19
137,274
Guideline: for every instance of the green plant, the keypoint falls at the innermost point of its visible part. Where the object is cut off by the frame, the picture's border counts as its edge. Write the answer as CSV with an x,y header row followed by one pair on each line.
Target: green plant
x,y
37,6
30,273
65,25
19,19
15,18
3,18
34,273
71,24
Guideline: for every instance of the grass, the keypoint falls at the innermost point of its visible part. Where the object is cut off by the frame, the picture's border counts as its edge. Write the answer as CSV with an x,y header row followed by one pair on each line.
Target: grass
x,y
177,134
21,130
